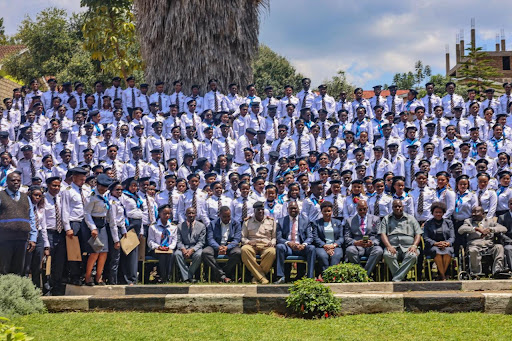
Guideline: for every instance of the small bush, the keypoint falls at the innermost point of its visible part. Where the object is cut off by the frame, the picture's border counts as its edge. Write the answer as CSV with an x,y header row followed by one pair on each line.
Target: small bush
x,y
9,332
345,273
18,296
311,299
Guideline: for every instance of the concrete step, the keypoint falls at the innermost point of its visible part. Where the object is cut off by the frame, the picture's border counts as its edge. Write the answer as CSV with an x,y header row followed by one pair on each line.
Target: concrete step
x,y
352,303
242,289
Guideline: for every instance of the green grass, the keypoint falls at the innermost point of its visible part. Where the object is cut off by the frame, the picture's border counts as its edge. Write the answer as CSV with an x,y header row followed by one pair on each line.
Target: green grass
x,y
161,326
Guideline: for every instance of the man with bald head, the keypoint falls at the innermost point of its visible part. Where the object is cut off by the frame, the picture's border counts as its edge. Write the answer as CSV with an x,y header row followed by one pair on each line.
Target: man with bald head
x,y
401,234
362,237
18,230
294,237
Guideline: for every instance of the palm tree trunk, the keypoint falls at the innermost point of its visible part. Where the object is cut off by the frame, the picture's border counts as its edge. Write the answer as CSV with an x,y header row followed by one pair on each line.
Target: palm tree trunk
x,y
197,40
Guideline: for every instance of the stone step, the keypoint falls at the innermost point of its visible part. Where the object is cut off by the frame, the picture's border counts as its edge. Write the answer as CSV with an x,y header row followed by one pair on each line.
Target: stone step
x,y
352,303
341,288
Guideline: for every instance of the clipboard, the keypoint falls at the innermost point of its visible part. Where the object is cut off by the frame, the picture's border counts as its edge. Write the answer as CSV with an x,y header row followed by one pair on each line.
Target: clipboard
x,y
142,249
129,242
48,269
162,251
73,249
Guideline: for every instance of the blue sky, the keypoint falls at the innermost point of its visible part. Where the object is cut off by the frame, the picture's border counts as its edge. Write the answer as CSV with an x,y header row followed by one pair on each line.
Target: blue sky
x,y
370,41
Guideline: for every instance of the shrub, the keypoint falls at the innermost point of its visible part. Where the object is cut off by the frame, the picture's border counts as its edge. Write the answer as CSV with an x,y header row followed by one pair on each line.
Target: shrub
x,y
311,299
18,296
9,332
345,273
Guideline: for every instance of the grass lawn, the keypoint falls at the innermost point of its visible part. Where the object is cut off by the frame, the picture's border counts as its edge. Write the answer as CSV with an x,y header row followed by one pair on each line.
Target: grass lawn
x,y
217,326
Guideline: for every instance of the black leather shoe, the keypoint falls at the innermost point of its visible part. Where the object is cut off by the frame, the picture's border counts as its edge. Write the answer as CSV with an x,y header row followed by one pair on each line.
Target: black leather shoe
x,y
281,280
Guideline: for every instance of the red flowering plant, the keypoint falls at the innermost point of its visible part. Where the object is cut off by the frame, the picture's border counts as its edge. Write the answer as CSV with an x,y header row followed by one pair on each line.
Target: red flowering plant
x,y
311,299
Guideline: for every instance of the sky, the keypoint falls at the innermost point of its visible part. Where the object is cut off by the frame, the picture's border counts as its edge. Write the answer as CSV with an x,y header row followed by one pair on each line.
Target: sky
x,y
370,41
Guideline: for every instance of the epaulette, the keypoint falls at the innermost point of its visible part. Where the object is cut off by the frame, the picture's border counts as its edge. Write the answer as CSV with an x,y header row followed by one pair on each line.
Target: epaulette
x,y
68,188
271,218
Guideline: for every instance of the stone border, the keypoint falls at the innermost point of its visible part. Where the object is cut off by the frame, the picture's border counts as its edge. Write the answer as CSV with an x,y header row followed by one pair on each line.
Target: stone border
x,y
352,303
252,289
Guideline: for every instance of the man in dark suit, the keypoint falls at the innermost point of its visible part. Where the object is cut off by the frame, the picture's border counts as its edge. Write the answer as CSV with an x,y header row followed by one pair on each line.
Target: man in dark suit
x,y
506,238
362,237
294,237
191,238
328,236
223,237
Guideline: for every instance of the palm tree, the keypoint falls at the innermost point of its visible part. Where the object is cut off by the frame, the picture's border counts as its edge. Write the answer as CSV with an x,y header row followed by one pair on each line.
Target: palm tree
x,y
197,40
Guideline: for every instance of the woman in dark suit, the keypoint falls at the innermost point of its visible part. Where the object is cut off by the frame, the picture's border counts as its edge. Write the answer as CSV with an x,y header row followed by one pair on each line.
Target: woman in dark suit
x,y
439,236
328,236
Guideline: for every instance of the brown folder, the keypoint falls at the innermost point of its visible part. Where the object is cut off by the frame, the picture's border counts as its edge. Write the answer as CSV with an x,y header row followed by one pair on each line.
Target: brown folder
x,y
129,242
73,249
48,269
142,249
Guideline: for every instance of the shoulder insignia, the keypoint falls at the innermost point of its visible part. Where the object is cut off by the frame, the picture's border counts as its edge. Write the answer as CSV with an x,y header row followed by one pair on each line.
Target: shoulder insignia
x,y
68,188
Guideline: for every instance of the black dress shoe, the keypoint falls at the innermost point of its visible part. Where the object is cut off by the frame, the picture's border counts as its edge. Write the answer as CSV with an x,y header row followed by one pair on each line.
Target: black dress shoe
x,y
281,280
77,282
90,284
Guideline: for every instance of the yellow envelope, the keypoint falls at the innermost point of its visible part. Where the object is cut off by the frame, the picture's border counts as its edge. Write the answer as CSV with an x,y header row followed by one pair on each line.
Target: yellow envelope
x,y
130,242
73,249
162,251
142,249
48,265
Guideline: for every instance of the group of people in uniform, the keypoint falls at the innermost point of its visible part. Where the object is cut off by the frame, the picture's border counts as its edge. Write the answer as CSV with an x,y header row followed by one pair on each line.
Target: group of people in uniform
x,y
225,178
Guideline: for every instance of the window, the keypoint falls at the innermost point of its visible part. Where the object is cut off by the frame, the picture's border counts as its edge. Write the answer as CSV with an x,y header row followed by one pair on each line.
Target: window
x,y
506,63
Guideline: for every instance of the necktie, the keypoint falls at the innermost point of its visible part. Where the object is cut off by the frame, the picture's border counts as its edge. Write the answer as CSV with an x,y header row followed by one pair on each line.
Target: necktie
x,y
438,127
178,104
118,129
82,196
458,126
271,174
151,215
223,179
219,205
216,101
115,93
58,219
420,202
140,142
171,203
79,130
133,98
293,234
36,214
386,152
89,146
376,208
114,169
362,226
278,147
335,207
480,192
137,171
16,106
324,134
275,128
160,102
147,100
508,104
393,107
412,171
323,103
262,155
292,130
160,174
244,208
375,167
377,100
253,172
304,100
289,100
32,168
299,146
333,140
421,129
100,101
194,149
226,146
81,102
194,201
430,105
474,122
452,103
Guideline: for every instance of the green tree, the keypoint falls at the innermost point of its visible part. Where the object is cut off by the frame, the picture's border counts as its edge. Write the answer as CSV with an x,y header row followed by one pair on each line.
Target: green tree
x,y
476,70
50,43
338,83
421,72
440,86
404,80
412,79
271,69
109,35
3,37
